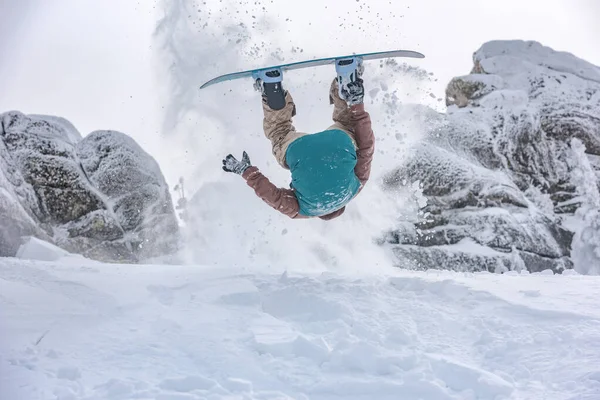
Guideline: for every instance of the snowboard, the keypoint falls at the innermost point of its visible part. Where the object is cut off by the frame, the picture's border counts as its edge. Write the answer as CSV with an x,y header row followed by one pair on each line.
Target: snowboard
x,y
314,63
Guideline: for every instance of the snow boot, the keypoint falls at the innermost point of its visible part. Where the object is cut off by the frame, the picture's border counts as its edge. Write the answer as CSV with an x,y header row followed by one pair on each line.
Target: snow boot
x,y
349,72
268,82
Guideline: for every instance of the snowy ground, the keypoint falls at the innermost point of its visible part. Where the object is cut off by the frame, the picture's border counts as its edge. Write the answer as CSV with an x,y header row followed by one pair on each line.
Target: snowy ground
x,y
73,329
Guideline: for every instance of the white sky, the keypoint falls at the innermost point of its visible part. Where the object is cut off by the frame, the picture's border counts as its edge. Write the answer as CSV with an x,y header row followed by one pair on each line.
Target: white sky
x,y
93,61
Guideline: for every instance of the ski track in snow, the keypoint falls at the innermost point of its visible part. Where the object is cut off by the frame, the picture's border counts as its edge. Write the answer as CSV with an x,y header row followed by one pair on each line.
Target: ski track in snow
x,y
79,331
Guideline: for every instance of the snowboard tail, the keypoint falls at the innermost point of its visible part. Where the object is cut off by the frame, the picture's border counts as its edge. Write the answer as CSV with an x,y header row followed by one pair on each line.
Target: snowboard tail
x,y
313,63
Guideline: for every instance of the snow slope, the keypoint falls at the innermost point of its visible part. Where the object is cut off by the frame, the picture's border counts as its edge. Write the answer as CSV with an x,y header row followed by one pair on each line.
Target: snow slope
x,y
78,330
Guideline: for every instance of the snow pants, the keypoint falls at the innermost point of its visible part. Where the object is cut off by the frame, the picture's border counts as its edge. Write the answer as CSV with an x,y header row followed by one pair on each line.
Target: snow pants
x,y
278,127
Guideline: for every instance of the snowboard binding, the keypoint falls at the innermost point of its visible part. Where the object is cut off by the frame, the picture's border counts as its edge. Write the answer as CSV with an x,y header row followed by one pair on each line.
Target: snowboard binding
x,y
268,82
349,72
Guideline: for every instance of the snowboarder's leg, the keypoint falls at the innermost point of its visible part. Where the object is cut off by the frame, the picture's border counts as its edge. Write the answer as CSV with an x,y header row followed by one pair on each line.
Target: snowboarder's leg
x,y
278,127
342,116
348,72
341,112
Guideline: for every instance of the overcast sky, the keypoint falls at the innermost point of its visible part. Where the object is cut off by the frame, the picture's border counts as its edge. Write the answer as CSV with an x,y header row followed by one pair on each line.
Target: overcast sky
x,y
94,61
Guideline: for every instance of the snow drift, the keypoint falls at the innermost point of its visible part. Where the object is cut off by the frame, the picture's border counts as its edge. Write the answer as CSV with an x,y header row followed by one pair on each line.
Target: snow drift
x,y
76,330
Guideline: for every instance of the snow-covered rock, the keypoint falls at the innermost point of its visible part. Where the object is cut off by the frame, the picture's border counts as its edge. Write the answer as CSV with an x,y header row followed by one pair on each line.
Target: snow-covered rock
x,y
45,156
101,196
586,244
499,168
19,206
135,188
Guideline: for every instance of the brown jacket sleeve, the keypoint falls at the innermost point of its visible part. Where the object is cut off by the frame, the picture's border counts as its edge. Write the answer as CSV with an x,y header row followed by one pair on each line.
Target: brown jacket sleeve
x,y
283,200
365,140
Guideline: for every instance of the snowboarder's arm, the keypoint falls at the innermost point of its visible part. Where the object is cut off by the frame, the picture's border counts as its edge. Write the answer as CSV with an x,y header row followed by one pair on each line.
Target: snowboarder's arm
x,y
283,200
365,141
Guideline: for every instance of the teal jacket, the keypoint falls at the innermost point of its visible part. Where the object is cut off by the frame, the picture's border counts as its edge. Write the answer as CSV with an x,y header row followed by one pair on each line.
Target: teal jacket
x,y
322,167
327,171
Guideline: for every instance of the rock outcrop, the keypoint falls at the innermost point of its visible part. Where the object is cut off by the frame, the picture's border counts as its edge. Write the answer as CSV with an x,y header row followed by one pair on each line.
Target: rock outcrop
x,y
501,169
100,196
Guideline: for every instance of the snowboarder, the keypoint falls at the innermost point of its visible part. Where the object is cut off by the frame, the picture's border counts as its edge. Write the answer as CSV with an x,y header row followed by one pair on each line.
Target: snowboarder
x,y
328,168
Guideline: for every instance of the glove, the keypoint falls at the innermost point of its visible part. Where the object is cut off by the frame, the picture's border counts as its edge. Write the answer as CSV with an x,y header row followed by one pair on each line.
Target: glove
x,y
353,92
231,164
